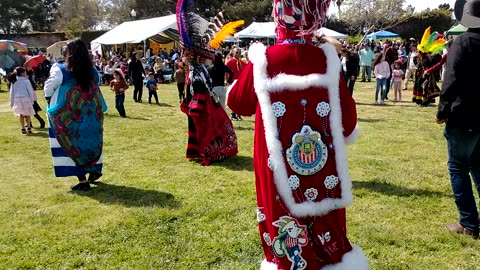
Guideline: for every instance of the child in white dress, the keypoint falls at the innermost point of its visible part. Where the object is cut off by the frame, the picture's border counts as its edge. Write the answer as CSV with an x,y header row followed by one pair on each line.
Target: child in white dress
x,y
22,97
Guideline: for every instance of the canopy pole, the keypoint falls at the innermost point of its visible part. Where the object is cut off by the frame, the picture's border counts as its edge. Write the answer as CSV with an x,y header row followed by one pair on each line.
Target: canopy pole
x,y
144,47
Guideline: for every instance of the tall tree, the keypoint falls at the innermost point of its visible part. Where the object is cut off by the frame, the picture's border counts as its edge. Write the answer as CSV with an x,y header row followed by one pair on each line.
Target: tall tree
x,y
376,14
44,15
249,10
86,12
26,15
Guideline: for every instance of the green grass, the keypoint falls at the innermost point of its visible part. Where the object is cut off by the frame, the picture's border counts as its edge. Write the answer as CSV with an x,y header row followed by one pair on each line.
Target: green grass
x,y
157,210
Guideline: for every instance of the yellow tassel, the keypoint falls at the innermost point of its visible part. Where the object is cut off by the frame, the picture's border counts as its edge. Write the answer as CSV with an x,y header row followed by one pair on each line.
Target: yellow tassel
x,y
229,29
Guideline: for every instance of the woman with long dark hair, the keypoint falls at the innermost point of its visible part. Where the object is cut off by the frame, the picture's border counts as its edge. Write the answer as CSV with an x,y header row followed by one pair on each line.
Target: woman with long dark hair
x,y
217,72
75,113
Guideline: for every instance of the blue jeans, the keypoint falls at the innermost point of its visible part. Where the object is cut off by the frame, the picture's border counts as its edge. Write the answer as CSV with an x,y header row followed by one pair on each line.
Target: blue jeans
x,y
383,84
464,159
119,100
366,72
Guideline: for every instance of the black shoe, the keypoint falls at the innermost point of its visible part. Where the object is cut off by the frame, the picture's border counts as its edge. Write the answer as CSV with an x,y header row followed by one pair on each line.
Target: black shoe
x,y
29,130
362,81
81,187
140,101
93,176
24,131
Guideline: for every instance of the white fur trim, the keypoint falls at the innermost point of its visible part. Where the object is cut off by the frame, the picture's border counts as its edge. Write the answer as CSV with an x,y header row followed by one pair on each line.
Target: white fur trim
x,y
355,259
352,260
268,266
284,82
352,138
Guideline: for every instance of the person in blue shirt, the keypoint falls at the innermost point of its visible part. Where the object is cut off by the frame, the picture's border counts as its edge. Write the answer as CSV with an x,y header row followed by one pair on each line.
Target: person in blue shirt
x,y
366,56
152,88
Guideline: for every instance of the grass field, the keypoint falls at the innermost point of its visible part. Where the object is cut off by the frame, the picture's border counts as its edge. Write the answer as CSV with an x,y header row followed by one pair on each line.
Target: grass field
x,y
157,210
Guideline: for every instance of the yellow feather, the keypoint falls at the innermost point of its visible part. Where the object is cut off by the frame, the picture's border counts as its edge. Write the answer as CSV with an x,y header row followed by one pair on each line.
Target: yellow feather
x,y
426,35
229,29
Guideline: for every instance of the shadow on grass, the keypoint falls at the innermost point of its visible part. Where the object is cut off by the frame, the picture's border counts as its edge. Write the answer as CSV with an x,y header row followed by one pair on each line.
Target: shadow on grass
x,y
236,163
160,104
39,133
128,117
244,128
393,190
130,196
362,120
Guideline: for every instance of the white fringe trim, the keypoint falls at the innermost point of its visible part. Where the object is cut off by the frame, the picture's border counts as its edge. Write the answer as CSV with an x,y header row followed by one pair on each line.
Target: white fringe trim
x,y
283,82
352,138
268,265
352,260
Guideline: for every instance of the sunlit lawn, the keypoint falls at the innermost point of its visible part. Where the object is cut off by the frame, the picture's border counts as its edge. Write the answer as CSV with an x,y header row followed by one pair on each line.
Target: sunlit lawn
x,y
157,210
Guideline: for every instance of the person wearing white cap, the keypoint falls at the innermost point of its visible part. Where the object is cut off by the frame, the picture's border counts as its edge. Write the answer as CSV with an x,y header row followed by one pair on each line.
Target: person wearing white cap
x,y
459,109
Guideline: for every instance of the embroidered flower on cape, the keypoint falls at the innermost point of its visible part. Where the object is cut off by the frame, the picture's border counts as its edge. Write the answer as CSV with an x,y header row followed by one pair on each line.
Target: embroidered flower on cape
x,y
293,182
323,109
260,215
331,182
311,194
266,238
278,109
270,164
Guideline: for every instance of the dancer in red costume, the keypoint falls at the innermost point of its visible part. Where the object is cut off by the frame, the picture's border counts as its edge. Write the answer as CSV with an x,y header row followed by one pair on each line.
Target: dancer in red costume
x,y
211,136
305,116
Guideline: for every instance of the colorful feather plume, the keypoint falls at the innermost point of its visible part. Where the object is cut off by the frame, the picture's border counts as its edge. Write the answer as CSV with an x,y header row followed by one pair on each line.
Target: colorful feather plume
x,y
229,29
431,43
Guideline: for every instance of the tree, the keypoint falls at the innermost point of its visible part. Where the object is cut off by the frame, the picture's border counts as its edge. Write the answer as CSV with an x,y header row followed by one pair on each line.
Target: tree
x,y
440,20
362,15
86,12
43,15
21,16
249,10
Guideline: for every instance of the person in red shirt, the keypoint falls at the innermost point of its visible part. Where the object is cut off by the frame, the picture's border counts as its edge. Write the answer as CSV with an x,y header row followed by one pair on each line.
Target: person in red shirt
x,y
236,65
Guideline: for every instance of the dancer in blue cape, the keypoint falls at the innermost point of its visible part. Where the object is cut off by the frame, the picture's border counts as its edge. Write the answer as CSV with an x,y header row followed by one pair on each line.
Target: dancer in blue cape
x,y
75,113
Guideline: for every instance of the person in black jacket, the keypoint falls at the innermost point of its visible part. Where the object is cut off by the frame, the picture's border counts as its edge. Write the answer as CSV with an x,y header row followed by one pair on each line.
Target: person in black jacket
x,y
136,73
217,72
352,68
459,108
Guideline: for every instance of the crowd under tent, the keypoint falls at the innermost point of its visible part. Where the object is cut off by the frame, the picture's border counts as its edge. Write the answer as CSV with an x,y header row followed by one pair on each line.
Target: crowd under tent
x,y
162,30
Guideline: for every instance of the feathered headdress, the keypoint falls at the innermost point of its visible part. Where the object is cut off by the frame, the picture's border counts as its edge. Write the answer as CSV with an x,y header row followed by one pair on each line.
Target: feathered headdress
x,y
431,43
197,34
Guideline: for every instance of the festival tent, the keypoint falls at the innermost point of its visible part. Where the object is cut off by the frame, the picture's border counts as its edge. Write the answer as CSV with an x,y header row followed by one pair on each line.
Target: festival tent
x,y
456,30
330,33
382,34
160,29
258,30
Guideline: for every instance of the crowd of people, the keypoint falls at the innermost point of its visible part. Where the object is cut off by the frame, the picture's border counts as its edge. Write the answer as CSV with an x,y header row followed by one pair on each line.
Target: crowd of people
x,y
392,64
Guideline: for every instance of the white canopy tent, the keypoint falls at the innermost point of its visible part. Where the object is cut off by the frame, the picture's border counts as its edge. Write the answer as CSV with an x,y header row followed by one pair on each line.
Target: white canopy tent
x,y
330,33
267,30
258,30
160,28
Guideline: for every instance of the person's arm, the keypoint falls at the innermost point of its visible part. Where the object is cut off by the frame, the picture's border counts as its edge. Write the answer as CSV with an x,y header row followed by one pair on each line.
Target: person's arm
x,y
230,75
451,81
11,95
437,66
31,92
53,82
